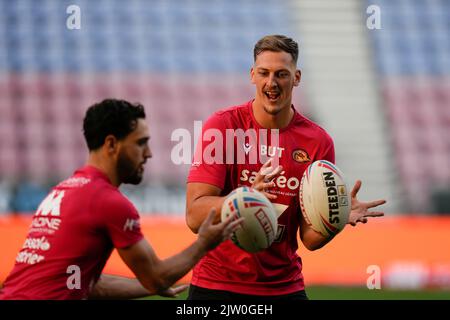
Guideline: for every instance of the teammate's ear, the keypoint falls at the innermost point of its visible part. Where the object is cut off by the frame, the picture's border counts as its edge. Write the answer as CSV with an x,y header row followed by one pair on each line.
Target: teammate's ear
x,y
252,75
111,143
298,77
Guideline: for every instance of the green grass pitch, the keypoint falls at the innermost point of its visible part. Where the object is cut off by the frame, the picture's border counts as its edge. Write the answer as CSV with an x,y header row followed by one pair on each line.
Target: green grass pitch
x,y
360,293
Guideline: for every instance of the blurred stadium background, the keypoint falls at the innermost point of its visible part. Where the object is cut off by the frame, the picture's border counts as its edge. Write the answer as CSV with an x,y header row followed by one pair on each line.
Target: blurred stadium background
x,y
383,94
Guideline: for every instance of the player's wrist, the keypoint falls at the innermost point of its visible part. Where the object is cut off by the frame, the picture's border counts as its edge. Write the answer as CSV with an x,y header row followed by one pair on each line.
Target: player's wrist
x,y
201,245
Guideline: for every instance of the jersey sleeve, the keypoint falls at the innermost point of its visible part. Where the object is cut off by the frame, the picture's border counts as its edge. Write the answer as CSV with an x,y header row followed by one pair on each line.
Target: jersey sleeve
x,y
122,221
327,152
208,165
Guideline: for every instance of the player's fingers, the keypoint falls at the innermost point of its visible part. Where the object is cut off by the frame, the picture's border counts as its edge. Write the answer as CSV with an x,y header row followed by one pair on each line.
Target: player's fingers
x,y
261,186
266,167
374,214
376,203
356,188
234,225
179,289
211,215
173,292
168,293
269,195
228,220
267,164
261,175
269,172
267,185
264,172
274,173
228,231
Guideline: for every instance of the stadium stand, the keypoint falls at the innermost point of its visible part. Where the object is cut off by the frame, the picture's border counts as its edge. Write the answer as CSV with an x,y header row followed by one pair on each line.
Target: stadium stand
x,y
183,60
412,58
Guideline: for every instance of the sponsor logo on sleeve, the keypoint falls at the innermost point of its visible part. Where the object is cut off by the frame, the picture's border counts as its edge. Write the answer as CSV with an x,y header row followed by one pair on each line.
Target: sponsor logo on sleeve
x,y
131,225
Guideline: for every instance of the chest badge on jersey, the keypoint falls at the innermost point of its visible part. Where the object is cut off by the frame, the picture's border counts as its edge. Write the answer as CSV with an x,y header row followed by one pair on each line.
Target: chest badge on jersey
x,y
300,156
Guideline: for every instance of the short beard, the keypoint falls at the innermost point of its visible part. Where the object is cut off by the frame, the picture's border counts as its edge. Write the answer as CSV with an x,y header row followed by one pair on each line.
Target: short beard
x,y
126,172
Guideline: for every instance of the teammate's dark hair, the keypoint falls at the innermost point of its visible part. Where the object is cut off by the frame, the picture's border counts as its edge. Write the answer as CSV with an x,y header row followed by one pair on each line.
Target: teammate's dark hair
x,y
111,116
276,43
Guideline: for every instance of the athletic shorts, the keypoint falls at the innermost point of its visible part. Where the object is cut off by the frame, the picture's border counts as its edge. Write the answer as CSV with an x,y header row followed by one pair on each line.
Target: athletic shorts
x,y
199,293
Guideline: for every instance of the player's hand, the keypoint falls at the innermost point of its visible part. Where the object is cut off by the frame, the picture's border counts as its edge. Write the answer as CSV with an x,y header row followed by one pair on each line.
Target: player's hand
x,y
173,292
264,179
360,210
211,235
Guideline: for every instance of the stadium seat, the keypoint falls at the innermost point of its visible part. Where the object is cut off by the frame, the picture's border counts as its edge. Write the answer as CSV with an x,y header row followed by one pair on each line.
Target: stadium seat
x,y
10,162
52,74
411,59
27,197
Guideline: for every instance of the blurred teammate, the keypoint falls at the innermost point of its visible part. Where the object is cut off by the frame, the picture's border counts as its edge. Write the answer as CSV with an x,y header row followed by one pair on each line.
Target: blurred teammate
x,y
275,273
76,227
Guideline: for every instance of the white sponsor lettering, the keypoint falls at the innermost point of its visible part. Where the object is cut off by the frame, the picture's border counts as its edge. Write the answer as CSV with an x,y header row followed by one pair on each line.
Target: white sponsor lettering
x,y
46,223
271,151
51,204
37,244
130,224
29,257
75,182
281,181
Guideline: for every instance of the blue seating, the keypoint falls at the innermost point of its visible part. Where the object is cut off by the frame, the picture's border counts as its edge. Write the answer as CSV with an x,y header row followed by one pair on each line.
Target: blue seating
x,y
124,25
411,26
413,44
28,197
171,55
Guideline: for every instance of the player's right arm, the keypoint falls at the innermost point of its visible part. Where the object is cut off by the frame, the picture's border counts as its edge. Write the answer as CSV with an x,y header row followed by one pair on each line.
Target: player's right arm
x,y
200,198
157,275
119,288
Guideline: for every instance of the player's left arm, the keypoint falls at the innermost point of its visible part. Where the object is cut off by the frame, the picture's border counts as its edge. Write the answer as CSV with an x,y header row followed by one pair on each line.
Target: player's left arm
x,y
360,210
314,240
311,238
116,287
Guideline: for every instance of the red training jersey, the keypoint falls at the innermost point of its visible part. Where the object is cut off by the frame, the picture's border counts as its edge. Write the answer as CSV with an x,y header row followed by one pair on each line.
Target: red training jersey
x,y
276,270
71,237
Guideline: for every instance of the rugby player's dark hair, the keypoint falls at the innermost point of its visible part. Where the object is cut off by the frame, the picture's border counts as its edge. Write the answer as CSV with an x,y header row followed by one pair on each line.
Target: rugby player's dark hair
x,y
276,43
110,117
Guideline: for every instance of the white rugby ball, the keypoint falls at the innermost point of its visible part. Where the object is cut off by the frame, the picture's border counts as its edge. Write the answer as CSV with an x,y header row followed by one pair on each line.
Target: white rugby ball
x,y
324,198
260,223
